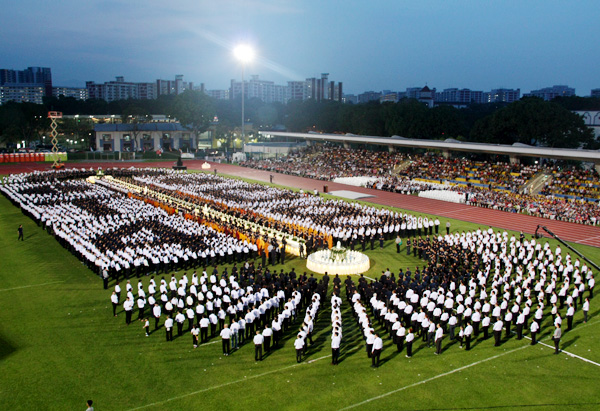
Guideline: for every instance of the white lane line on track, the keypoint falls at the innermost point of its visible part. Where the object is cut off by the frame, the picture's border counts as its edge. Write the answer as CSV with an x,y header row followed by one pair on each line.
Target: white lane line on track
x,y
587,239
460,210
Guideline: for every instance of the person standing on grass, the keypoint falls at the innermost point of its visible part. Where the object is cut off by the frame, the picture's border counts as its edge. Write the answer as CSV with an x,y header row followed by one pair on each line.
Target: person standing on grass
x,y
377,347
299,346
461,336
225,338
439,334
89,405
156,312
146,326
118,291
235,329
258,345
586,308
398,243
204,322
498,331
169,328
534,330
335,348
115,302
105,277
570,315
128,307
267,333
195,332
400,337
20,230
556,338
410,337
485,326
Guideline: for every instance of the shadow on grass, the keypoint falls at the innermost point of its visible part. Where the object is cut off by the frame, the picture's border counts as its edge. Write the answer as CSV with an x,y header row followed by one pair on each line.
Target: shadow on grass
x,y
391,356
569,343
6,348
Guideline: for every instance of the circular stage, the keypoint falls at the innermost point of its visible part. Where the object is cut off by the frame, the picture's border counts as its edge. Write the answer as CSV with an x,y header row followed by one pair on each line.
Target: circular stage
x,y
338,260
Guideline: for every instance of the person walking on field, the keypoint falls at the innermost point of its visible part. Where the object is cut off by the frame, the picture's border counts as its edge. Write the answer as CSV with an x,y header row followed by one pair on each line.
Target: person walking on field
x,y
20,230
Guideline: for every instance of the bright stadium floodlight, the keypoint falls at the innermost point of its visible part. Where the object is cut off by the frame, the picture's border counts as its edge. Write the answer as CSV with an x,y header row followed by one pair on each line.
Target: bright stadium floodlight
x,y
244,54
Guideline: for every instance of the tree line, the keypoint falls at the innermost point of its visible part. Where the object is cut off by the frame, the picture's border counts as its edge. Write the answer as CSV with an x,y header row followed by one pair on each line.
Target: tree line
x,y
528,121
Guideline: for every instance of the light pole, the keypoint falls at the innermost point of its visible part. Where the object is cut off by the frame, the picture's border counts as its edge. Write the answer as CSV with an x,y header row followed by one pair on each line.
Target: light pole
x,y
244,54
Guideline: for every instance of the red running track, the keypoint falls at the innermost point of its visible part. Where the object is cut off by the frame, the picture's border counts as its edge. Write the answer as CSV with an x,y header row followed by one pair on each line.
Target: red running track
x,y
578,233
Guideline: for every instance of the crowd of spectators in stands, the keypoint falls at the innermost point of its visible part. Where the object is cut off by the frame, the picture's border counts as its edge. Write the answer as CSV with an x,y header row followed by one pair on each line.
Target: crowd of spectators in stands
x,y
329,162
567,193
510,177
573,182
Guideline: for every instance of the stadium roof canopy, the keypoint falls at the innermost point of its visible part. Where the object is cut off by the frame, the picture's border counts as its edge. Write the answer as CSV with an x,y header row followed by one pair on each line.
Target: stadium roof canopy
x,y
513,151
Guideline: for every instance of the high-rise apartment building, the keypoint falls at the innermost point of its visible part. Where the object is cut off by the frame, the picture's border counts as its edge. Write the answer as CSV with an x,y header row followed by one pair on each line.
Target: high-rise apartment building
x,y
75,92
462,96
312,88
176,86
121,90
502,95
549,93
29,85
369,96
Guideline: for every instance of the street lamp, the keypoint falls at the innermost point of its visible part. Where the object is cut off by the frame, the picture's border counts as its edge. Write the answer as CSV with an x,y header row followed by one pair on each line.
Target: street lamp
x,y
244,54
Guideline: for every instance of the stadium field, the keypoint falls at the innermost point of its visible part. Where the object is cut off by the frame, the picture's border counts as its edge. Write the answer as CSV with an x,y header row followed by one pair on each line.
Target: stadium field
x,y
60,346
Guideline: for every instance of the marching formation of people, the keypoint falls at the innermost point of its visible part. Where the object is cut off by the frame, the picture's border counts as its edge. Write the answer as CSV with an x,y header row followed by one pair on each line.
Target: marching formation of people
x,y
246,305
124,236
322,222
473,284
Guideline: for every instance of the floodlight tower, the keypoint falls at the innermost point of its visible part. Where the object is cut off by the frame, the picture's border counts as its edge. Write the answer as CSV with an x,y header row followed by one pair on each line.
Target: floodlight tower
x,y
53,115
244,54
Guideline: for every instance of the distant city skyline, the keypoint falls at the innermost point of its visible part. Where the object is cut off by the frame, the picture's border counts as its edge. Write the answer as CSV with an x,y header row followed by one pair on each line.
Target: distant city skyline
x,y
366,45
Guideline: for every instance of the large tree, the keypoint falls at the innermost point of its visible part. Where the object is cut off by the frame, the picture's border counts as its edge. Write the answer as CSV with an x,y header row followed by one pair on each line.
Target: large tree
x,y
194,110
22,122
536,122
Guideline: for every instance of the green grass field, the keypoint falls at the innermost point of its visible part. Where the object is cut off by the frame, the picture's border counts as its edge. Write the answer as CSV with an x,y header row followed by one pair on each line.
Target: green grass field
x,y
60,345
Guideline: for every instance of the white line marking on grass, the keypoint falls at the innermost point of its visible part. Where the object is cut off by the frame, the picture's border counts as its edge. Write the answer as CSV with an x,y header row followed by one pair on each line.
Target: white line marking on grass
x,y
317,359
226,384
587,324
358,404
372,279
568,353
28,286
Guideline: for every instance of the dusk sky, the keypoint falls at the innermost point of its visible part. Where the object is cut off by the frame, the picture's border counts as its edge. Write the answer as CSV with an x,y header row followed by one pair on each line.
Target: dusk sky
x,y
368,45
